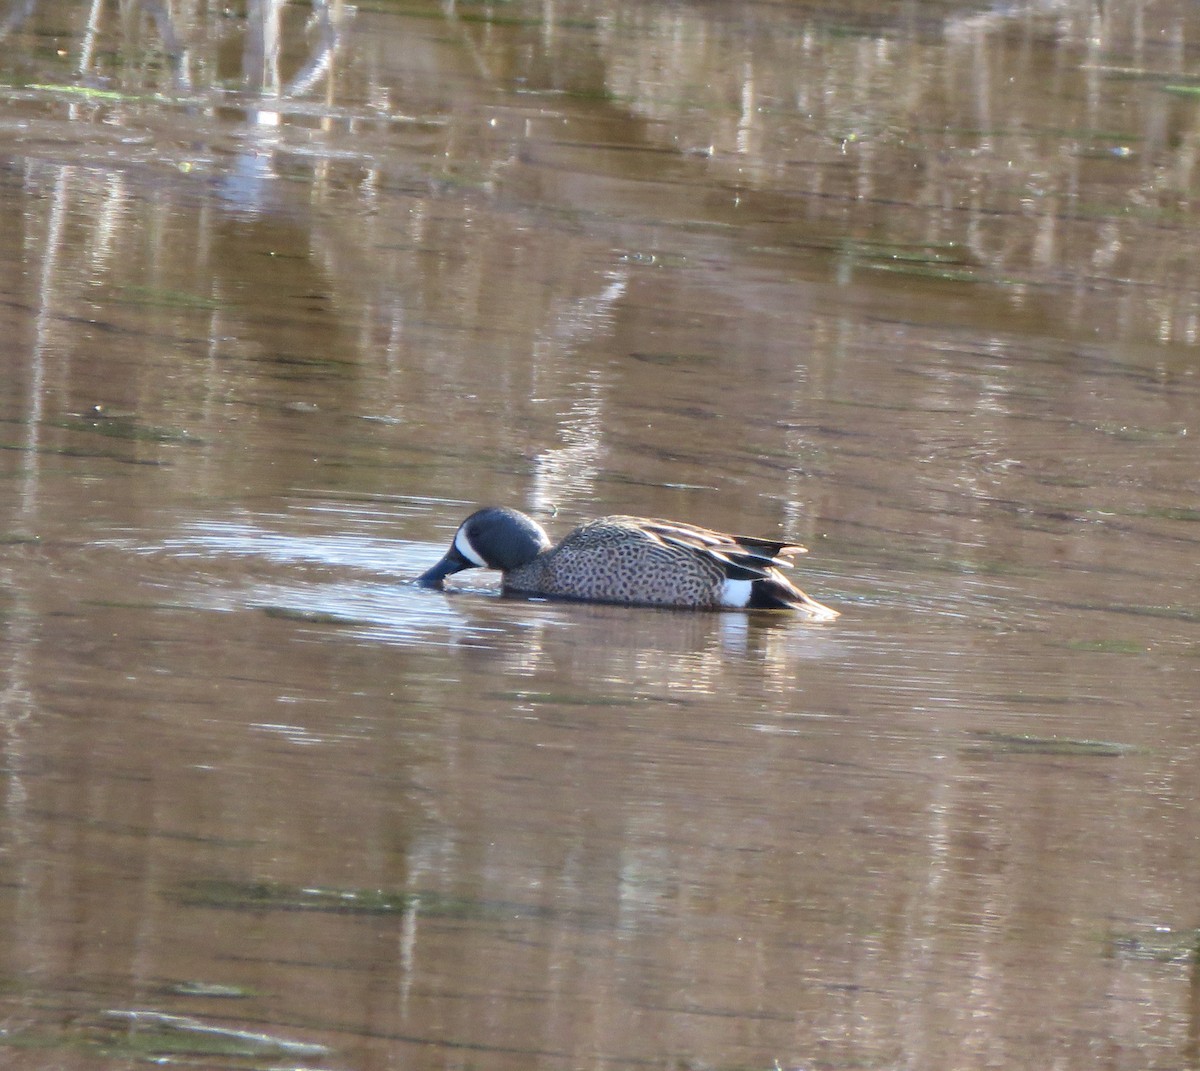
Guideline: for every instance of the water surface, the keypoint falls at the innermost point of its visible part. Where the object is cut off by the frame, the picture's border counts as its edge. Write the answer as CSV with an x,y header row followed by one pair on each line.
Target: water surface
x,y
288,291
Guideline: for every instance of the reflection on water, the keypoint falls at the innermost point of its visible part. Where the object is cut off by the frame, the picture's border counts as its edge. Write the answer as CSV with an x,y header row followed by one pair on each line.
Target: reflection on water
x,y
288,290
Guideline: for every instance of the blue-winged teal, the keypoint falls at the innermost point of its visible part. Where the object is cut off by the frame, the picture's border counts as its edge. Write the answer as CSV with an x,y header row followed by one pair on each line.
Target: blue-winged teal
x,y
630,560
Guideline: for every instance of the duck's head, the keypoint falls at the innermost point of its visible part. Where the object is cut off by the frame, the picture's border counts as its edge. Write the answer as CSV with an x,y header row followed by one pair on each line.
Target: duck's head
x,y
491,538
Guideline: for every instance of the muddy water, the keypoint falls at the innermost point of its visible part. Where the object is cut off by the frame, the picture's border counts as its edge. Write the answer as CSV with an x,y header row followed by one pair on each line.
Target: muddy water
x,y
286,291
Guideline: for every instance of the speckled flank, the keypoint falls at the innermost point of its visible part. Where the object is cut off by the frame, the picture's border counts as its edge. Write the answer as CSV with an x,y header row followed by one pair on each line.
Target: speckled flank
x,y
607,561
624,560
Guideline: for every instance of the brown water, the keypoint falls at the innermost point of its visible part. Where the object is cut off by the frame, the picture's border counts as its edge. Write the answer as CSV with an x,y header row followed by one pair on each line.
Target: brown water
x,y
286,291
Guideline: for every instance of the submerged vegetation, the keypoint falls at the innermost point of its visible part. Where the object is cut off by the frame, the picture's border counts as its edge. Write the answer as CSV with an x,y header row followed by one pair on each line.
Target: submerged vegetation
x,y
274,896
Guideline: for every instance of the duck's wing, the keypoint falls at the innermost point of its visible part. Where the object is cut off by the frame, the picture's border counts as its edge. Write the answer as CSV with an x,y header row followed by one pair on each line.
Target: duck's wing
x,y
771,546
743,557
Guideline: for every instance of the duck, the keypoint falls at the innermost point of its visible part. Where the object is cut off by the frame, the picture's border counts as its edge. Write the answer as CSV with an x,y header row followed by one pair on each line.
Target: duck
x,y
630,561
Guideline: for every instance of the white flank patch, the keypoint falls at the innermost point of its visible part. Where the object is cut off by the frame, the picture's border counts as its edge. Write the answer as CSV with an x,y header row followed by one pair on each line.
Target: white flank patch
x,y
463,545
735,592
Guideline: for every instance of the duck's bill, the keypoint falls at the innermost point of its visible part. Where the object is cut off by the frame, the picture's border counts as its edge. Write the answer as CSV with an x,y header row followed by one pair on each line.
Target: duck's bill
x,y
453,562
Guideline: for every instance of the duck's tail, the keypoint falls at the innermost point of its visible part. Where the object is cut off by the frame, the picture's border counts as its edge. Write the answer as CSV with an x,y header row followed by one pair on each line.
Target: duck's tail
x,y
776,592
